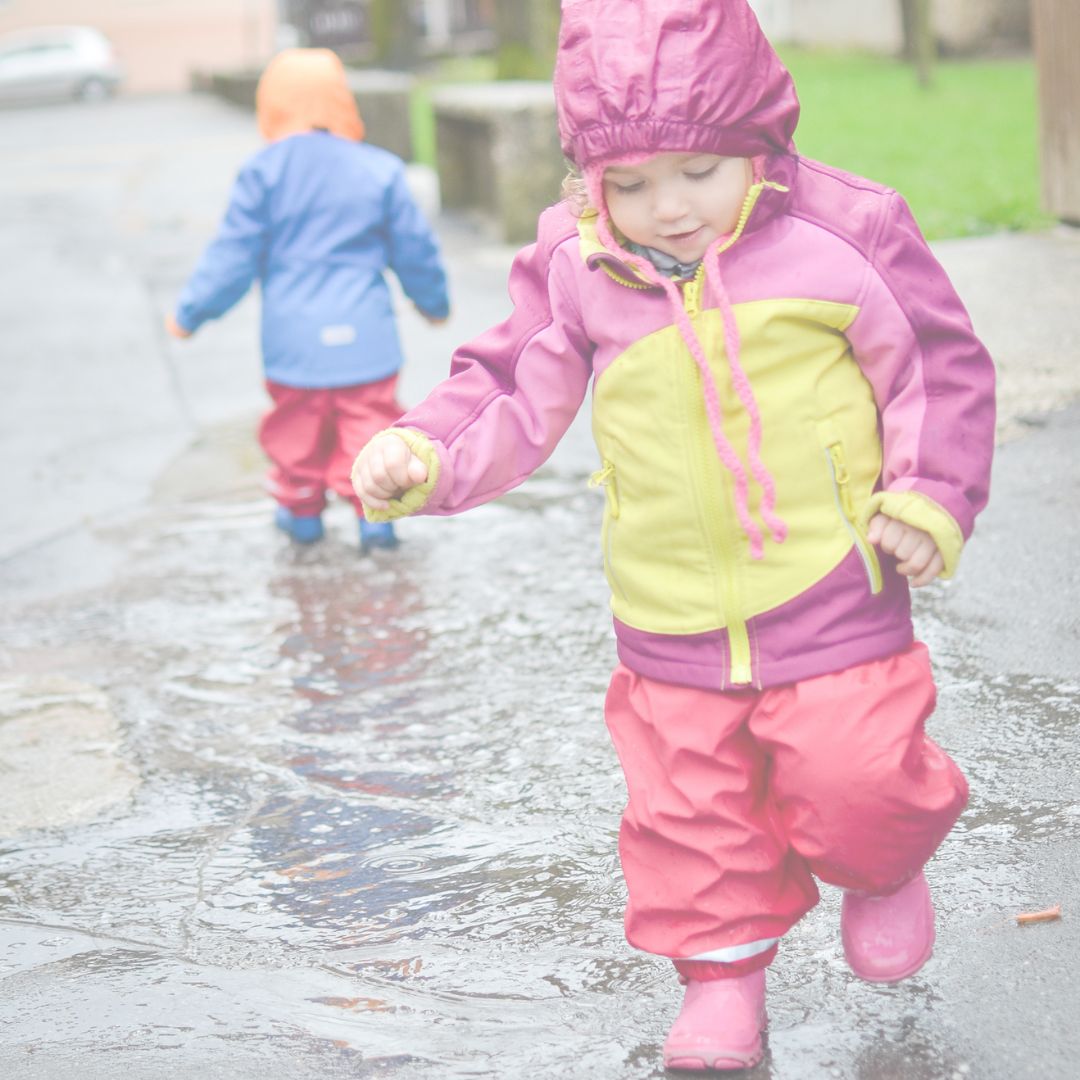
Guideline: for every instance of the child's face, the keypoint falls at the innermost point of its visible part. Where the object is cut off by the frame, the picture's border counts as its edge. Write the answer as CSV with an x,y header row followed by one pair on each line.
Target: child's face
x,y
677,203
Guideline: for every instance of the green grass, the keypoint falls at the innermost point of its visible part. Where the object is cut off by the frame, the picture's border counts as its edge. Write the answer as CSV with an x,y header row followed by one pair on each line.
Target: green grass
x,y
964,152
422,120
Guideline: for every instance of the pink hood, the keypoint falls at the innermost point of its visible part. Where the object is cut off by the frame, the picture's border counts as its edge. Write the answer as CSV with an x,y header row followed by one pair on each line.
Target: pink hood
x,y
637,77
642,76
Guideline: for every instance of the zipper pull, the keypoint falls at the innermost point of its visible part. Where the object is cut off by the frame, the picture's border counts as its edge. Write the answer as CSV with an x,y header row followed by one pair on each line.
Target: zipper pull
x,y
605,478
692,292
840,471
601,476
839,464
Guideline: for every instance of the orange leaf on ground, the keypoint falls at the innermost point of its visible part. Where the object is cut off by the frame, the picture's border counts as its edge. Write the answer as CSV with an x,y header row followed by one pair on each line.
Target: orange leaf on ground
x,y
1049,915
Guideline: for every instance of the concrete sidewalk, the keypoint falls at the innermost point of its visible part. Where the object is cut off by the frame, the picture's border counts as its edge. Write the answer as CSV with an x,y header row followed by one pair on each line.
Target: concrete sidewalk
x,y
1023,293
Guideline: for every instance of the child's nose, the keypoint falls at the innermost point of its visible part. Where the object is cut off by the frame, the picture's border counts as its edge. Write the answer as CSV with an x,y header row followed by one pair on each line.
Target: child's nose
x,y
669,206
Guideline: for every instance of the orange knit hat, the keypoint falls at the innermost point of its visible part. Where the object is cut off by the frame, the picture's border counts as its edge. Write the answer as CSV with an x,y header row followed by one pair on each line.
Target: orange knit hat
x,y
304,89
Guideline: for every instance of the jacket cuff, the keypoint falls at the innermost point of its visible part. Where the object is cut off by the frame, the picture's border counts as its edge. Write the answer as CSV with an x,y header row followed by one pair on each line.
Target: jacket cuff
x,y
921,512
416,498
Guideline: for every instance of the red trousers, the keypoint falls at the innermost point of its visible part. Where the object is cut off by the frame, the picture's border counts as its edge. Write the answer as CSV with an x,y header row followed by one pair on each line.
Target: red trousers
x,y
737,801
312,438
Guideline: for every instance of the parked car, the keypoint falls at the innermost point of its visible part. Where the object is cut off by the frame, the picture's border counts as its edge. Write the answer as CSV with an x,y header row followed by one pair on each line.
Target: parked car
x,y
56,62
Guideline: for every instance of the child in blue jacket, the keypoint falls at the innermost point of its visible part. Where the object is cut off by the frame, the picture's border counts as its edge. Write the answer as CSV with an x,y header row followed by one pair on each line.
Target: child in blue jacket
x,y
316,217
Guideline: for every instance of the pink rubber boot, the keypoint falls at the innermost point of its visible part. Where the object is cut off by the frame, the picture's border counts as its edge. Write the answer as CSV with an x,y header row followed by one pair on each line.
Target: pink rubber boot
x,y
888,938
719,1026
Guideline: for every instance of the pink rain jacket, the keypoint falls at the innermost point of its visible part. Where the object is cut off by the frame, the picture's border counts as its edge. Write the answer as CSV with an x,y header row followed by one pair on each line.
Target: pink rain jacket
x,y
872,391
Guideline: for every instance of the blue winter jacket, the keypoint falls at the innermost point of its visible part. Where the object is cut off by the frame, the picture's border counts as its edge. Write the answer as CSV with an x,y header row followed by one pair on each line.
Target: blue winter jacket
x,y
317,219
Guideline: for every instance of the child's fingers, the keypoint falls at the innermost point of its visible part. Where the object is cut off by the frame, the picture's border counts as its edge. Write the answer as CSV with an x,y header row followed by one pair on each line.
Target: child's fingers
x,y
370,479
914,549
385,470
907,542
932,570
890,534
917,554
403,468
174,329
381,470
417,471
370,492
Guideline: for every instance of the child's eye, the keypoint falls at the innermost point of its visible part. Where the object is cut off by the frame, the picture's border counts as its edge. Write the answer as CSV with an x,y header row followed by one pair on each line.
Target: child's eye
x,y
704,174
627,189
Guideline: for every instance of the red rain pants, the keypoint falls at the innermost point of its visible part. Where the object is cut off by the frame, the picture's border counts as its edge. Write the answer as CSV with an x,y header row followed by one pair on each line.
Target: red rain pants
x,y
737,801
312,438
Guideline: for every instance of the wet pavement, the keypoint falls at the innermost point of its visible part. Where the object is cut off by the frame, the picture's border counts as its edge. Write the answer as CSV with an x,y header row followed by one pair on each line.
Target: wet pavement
x,y
288,811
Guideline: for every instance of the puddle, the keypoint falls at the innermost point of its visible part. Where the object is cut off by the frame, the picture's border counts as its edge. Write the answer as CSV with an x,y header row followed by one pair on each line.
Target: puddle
x,y
369,811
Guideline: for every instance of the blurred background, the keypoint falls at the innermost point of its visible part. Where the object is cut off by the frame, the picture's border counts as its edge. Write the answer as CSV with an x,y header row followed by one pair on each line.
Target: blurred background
x,y
939,98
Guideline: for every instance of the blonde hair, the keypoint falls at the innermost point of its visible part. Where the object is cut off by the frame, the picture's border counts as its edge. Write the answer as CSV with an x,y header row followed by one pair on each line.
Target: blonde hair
x,y
575,192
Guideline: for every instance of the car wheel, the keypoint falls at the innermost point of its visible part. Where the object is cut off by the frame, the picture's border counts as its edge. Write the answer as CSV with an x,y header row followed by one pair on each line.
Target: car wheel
x,y
93,89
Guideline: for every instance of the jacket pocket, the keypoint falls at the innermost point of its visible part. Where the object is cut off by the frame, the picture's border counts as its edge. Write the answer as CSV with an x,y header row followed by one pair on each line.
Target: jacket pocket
x,y
845,503
605,478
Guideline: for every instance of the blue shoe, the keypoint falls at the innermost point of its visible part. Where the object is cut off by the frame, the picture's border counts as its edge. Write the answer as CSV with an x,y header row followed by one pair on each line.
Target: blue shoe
x,y
303,528
377,534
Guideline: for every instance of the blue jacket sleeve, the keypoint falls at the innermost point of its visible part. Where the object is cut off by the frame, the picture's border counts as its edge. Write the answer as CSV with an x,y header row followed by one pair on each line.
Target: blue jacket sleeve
x,y
232,261
413,251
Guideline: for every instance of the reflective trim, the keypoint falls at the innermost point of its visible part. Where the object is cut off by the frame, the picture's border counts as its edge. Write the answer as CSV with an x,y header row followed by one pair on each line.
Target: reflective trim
x,y
736,952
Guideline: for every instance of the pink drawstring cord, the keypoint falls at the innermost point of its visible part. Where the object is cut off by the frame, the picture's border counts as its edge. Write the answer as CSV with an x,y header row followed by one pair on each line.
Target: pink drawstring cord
x,y
713,410
746,395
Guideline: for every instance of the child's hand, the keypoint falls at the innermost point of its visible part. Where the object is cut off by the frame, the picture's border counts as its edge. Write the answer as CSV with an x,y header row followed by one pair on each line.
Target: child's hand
x,y
385,470
919,557
433,320
174,329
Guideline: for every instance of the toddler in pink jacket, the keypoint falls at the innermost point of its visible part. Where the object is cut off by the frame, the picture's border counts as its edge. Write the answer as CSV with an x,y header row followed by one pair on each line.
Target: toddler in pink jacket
x,y
794,424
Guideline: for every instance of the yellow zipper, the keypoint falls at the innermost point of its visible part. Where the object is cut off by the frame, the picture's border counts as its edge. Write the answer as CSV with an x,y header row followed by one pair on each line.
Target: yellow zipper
x,y
749,203
605,478
834,454
692,290
741,673
741,658
616,276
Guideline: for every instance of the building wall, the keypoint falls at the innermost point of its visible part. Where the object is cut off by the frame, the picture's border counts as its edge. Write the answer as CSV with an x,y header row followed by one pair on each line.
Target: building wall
x,y
160,42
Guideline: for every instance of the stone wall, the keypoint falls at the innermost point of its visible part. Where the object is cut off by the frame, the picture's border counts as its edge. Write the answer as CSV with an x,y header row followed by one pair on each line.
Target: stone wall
x,y
498,153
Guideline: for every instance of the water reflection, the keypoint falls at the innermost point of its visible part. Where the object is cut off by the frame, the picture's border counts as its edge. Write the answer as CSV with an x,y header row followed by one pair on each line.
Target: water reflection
x,y
906,1053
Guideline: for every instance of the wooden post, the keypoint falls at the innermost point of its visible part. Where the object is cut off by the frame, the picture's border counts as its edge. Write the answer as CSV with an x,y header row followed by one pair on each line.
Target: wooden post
x,y
924,45
920,45
1056,30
